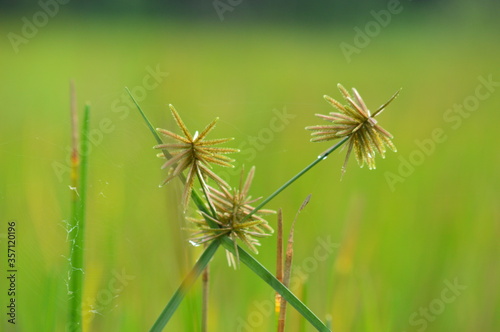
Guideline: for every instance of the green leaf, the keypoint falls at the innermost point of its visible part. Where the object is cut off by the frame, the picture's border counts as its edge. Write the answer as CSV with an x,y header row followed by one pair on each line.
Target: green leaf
x,y
76,229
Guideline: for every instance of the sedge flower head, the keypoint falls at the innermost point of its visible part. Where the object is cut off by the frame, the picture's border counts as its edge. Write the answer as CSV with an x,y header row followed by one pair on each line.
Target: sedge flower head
x,y
233,208
355,120
194,154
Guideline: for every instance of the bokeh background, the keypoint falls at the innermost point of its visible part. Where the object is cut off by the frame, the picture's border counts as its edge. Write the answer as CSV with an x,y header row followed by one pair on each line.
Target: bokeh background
x,y
413,245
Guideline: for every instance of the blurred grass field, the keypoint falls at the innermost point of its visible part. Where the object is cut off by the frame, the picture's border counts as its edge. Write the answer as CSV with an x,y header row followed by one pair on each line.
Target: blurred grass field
x,y
396,248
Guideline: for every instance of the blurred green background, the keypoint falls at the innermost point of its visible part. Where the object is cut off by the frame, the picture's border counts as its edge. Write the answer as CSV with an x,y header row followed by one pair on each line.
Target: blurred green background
x,y
400,236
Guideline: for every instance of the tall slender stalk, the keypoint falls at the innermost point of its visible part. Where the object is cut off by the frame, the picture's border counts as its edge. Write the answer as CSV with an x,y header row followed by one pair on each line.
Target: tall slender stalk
x,y
75,158
205,279
74,302
288,267
279,267
206,272
76,232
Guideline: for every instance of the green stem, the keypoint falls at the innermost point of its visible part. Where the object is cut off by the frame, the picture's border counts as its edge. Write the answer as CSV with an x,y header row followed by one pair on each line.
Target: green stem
x,y
204,298
292,180
206,272
148,123
204,189
186,284
77,231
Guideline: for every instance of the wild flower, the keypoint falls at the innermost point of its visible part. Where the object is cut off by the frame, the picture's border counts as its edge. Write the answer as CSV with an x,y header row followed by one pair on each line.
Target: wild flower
x,y
194,153
366,136
232,206
228,213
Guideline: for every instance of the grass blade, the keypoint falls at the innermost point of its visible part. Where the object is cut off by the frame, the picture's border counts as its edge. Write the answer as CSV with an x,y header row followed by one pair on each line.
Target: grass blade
x,y
204,298
279,259
288,266
76,230
148,123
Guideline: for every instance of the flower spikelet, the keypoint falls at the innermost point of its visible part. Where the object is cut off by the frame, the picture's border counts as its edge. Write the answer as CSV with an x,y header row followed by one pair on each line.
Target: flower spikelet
x,y
355,120
232,210
194,154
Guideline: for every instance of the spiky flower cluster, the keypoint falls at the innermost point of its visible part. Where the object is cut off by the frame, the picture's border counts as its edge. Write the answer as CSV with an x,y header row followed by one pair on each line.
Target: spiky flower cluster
x,y
355,121
194,153
231,209
230,212
234,216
